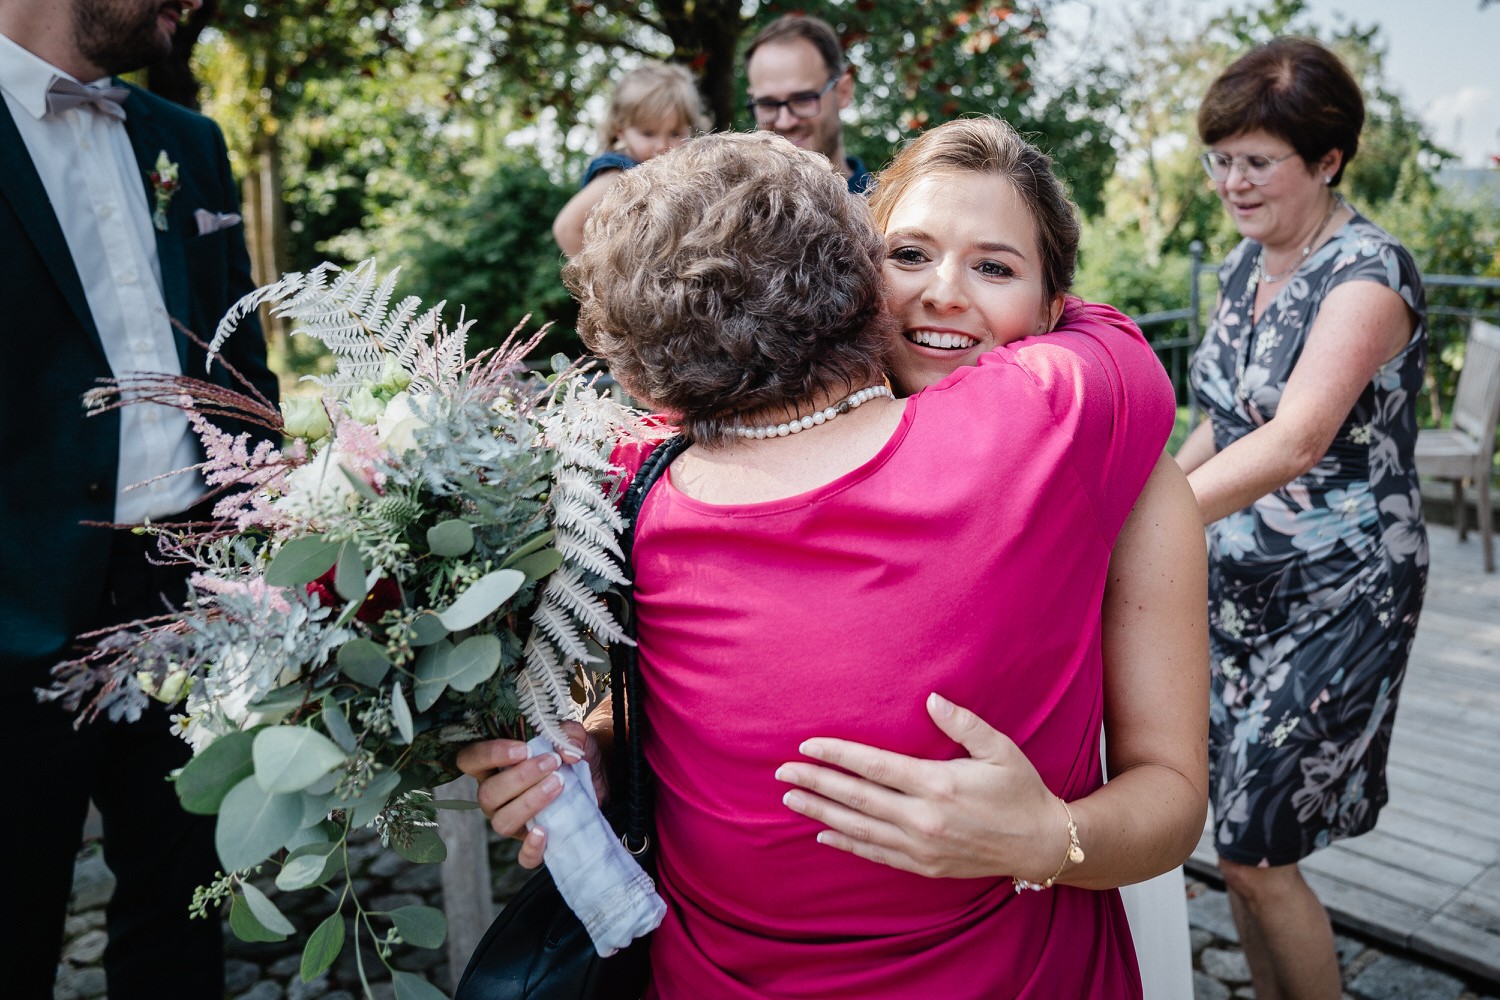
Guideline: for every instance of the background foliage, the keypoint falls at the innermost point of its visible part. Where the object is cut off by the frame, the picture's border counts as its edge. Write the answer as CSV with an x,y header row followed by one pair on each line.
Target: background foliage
x,y
443,135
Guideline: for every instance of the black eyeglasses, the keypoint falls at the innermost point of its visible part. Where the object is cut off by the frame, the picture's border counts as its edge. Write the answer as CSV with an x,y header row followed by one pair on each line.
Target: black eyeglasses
x,y
803,105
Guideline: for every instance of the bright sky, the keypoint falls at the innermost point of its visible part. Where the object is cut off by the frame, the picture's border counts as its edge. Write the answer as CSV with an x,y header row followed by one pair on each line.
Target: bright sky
x,y
1442,57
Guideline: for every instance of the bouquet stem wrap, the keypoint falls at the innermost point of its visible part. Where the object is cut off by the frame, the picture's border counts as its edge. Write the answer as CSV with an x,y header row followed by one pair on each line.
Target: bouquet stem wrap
x,y
613,897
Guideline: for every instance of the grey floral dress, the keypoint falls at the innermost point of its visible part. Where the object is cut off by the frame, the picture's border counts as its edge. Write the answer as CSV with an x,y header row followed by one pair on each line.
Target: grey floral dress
x,y
1315,589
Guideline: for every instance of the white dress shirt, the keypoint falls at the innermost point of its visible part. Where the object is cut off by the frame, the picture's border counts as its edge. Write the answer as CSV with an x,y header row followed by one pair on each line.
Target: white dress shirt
x,y
94,183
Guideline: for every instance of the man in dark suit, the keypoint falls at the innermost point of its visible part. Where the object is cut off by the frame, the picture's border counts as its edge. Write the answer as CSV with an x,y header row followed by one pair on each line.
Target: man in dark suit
x,y
100,250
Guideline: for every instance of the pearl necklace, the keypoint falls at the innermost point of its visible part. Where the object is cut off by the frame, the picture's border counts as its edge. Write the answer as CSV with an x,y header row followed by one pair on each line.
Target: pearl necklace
x,y
796,426
1260,261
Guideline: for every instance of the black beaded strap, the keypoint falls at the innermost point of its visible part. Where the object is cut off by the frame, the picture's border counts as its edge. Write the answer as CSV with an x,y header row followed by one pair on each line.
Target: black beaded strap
x,y
631,774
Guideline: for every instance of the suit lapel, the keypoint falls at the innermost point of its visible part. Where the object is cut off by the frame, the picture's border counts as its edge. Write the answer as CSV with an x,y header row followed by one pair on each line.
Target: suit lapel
x,y
149,141
22,187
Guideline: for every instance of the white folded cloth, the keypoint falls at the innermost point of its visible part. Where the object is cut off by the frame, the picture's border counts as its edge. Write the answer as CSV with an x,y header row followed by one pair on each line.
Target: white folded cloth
x,y
601,882
212,222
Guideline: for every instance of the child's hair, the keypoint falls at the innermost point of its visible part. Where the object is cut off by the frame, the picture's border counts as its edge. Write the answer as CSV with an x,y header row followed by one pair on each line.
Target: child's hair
x,y
651,92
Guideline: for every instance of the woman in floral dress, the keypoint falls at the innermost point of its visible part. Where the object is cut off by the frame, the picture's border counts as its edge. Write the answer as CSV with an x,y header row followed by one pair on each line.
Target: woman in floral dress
x,y
1304,471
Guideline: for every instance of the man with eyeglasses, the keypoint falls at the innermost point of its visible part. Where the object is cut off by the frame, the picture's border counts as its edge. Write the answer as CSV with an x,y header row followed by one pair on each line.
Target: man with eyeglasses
x,y
798,85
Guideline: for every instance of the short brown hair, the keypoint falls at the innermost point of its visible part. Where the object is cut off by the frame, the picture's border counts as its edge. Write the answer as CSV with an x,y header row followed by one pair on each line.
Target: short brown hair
x,y
649,93
1292,88
987,145
732,275
810,29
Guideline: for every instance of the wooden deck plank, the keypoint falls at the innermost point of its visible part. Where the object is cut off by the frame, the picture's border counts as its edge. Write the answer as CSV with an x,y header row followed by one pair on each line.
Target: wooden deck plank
x,y
1430,858
1428,877
1463,940
1413,891
1443,788
1459,776
1420,828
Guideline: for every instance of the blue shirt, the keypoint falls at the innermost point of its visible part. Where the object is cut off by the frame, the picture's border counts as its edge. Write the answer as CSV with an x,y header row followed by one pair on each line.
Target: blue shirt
x,y
606,161
860,179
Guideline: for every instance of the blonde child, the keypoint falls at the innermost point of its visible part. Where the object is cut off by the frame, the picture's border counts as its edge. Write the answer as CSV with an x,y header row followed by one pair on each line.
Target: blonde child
x,y
655,108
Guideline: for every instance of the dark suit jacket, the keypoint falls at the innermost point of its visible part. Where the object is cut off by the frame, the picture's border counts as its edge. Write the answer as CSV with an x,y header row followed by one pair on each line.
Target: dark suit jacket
x,y
57,466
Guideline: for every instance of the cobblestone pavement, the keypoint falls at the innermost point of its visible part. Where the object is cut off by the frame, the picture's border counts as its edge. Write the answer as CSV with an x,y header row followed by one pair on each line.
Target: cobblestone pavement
x,y
270,971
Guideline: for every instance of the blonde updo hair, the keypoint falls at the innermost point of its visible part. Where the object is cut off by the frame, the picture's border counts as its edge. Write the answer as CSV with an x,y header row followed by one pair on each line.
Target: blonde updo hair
x,y
652,92
731,276
986,145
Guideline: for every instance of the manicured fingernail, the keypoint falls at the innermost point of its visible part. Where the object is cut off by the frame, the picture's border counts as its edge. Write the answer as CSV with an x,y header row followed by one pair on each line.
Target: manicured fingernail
x,y
536,834
551,783
939,705
791,800
515,752
783,773
823,837
810,749
549,762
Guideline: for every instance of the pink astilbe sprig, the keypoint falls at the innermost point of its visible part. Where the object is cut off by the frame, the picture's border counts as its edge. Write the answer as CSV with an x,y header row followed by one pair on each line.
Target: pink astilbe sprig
x,y
250,479
254,587
496,371
360,452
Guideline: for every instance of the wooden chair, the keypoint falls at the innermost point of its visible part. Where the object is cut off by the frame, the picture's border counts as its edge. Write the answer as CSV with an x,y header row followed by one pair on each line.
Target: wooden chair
x,y
1466,452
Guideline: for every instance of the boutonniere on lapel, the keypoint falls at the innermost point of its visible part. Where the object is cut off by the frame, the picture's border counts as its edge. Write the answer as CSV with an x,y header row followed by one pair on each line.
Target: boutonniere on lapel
x,y
164,184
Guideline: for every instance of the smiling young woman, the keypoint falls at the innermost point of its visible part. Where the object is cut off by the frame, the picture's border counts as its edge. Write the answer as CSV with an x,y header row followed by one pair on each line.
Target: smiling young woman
x,y
964,272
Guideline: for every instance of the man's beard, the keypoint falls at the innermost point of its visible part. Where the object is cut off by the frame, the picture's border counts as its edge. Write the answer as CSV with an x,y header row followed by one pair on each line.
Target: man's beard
x,y
119,35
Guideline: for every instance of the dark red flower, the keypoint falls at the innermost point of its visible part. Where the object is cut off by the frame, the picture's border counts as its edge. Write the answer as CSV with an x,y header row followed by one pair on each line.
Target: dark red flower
x,y
384,596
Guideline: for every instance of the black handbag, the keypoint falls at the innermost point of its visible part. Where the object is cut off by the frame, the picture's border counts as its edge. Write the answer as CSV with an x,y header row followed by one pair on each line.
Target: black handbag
x,y
537,948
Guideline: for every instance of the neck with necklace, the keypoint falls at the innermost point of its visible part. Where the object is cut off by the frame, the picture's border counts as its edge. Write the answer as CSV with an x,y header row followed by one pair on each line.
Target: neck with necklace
x,y
800,424
1260,262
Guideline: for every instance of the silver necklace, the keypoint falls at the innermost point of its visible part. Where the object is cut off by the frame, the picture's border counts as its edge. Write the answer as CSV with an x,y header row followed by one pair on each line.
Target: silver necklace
x,y
1260,261
796,426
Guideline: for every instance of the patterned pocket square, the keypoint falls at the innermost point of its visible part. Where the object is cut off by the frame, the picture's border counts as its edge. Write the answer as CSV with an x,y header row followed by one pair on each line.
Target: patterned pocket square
x,y
212,222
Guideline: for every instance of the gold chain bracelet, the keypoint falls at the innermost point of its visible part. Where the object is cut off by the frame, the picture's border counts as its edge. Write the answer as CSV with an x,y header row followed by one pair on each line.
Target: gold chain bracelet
x,y
1075,855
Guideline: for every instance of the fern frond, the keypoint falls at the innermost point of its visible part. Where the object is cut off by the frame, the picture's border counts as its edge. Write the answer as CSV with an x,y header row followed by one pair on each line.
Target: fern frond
x,y
567,588
535,702
572,516
589,556
542,689
401,316
555,622
289,284
578,486
374,314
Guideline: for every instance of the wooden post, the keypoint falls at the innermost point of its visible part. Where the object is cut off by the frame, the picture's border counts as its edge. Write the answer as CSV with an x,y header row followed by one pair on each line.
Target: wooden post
x,y
468,898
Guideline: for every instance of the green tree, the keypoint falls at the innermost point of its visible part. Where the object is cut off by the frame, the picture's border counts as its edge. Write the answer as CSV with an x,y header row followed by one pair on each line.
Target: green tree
x,y
489,250
1134,254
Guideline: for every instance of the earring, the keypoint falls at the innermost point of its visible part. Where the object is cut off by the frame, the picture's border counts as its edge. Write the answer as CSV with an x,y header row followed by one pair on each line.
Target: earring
x,y
1328,179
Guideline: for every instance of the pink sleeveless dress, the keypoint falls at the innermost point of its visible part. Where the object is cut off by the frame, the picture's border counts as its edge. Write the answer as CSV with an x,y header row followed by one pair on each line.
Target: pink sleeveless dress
x,y
968,558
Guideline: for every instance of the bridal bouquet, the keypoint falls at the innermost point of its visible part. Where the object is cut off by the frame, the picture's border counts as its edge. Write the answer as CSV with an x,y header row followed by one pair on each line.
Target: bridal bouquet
x,y
424,564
